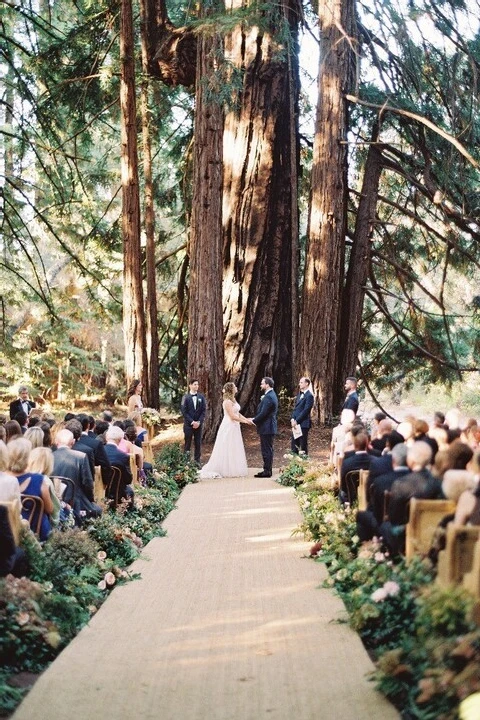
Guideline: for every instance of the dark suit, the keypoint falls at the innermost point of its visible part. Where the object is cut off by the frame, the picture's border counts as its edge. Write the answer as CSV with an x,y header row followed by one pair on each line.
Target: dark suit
x,y
74,465
266,423
301,415
17,406
84,448
99,454
193,414
121,460
351,402
379,466
369,520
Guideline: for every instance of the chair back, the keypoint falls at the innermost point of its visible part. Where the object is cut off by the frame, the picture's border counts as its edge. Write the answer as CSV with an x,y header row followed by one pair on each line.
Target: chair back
x,y
386,504
112,491
14,517
133,467
33,510
65,488
363,489
98,486
147,451
457,558
351,485
471,580
424,516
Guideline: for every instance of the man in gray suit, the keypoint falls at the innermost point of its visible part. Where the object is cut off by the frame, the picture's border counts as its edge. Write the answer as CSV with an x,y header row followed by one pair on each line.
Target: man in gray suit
x,y
74,465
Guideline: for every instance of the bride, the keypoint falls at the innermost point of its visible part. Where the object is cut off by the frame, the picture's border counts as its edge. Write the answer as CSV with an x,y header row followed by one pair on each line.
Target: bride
x,y
228,457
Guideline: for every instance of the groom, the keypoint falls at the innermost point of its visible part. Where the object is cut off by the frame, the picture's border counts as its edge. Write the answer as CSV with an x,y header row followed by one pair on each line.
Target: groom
x,y
266,423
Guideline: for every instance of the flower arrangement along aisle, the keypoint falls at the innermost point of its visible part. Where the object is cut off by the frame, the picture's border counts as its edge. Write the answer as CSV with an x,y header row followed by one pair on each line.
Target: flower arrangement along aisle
x,y
424,638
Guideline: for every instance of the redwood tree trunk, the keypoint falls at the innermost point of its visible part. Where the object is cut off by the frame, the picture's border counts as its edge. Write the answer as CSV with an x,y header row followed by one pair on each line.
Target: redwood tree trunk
x,y
133,309
358,266
205,332
153,389
324,269
260,221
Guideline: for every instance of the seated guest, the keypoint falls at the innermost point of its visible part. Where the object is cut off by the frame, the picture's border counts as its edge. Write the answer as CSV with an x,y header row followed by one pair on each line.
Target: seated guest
x,y
418,483
47,433
75,428
12,430
383,464
370,520
54,430
405,428
9,489
41,461
142,433
468,506
455,457
96,444
101,427
74,465
378,443
13,560
360,460
420,432
338,437
30,484
22,419
23,402
35,436
119,459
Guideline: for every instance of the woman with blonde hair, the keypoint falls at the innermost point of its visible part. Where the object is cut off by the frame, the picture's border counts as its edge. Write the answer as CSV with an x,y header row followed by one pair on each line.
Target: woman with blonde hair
x,y
30,483
35,435
228,457
41,461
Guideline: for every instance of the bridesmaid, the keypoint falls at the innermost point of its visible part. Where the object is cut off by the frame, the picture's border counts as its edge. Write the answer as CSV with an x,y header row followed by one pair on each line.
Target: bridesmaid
x,y
134,395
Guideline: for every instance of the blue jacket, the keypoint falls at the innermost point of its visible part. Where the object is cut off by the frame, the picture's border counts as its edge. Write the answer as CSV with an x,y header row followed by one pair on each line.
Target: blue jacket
x,y
303,408
266,417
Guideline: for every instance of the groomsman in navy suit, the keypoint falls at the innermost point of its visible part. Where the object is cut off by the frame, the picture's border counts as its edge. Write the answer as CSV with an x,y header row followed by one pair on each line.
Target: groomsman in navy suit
x,y
301,416
266,424
194,407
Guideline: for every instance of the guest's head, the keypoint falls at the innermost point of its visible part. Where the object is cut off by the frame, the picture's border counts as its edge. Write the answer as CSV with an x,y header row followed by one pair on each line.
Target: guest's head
x,y
438,418
360,441
405,429
419,455
420,428
12,430
68,416
399,455
47,434
35,435
101,426
393,439
64,438
40,461
75,428
457,481
18,453
107,415
3,433
84,421
114,434
131,433
3,419
21,417
55,429
119,423
4,463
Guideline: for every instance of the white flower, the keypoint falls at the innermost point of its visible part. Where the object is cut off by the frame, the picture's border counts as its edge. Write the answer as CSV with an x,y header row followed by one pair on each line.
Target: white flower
x,y
391,588
379,595
102,585
102,555
379,557
355,539
110,578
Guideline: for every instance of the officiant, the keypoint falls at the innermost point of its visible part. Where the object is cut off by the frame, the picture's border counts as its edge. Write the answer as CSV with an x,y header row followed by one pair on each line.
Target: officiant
x,y
300,420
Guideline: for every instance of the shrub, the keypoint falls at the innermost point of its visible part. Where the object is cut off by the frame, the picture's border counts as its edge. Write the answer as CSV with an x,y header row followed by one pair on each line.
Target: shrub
x,y
176,465
292,475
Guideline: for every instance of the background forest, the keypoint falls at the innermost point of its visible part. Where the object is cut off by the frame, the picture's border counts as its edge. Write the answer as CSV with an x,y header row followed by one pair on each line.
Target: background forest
x,y
184,192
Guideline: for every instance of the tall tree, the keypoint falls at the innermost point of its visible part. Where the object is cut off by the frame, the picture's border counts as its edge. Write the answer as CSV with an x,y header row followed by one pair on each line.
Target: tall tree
x,y
205,333
260,216
133,307
324,269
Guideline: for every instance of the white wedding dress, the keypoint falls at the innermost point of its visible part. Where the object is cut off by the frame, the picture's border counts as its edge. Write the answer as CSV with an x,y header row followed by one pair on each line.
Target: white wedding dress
x,y
228,457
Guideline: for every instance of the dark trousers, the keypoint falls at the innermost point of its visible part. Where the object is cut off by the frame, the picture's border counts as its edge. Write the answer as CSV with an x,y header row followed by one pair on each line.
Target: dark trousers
x,y
190,433
266,444
301,443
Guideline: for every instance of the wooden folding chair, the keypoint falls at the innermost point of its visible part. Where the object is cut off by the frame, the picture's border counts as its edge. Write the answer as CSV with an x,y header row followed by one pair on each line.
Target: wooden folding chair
x,y
147,451
351,485
98,486
457,558
471,580
14,517
134,467
363,489
112,491
424,516
65,488
386,504
33,510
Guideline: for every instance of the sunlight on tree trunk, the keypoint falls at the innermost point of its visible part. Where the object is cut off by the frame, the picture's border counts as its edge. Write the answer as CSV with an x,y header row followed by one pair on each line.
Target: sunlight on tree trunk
x,y
324,270
133,308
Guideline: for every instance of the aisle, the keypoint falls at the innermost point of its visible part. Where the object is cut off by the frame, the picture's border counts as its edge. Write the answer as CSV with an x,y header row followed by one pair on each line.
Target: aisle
x,y
227,623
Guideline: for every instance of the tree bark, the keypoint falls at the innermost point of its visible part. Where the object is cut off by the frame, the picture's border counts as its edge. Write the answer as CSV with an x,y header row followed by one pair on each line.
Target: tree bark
x,y
205,332
319,332
133,308
359,263
260,222
153,385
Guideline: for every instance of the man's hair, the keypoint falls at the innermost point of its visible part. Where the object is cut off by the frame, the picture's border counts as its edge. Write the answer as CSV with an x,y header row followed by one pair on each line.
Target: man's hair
x,y
439,417
114,433
399,454
83,420
420,453
101,426
22,388
69,416
352,379
379,416
394,438
21,417
307,380
360,441
107,415
269,381
75,427
193,380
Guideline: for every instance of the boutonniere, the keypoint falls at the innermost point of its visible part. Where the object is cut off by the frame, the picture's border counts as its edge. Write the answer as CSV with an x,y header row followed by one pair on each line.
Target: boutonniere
x,y
199,400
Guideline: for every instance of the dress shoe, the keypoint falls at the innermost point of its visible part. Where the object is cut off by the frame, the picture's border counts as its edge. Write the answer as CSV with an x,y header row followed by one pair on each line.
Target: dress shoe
x,y
263,474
